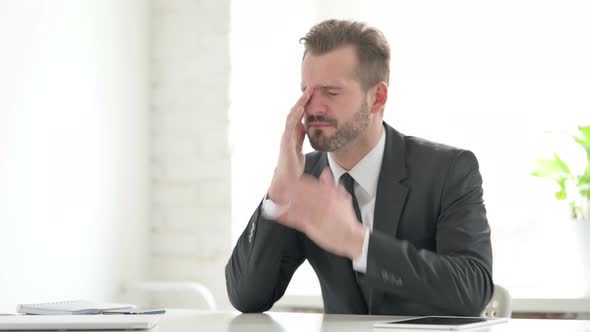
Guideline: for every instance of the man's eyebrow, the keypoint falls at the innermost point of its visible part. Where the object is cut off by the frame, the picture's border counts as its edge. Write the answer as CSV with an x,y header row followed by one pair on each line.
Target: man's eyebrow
x,y
330,87
324,87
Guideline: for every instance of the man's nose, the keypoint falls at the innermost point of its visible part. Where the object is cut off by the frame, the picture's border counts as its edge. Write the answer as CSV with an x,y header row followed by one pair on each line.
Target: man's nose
x,y
315,105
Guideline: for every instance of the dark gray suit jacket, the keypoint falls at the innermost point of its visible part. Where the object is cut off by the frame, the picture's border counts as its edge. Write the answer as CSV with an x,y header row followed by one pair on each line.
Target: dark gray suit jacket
x,y
429,251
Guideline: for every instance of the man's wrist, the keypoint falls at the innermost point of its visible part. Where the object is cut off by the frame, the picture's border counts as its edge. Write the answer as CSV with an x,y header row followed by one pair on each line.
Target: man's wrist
x,y
271,210
277,196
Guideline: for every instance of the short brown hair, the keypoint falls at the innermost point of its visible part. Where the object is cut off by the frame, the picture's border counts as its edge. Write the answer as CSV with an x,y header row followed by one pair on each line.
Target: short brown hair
x,y
371,46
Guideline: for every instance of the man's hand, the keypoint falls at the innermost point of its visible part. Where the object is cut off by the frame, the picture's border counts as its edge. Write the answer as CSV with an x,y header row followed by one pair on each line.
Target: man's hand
x,y
323,211
291,159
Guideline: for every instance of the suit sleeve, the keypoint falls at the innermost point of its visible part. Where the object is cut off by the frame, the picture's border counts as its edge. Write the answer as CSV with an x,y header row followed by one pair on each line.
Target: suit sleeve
x,y
262,264
457,278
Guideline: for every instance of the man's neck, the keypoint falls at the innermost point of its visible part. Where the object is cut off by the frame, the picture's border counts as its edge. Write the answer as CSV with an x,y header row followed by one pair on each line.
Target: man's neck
x,y
348,156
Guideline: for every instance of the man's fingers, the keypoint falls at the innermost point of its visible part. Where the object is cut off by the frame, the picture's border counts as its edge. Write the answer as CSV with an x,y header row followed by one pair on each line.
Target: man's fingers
x,y
326,177
293,121
296,110
304,98
300,136
295,117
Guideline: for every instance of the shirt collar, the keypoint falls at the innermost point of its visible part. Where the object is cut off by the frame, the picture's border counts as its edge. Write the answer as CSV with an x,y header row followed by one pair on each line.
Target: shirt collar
x,y
366,171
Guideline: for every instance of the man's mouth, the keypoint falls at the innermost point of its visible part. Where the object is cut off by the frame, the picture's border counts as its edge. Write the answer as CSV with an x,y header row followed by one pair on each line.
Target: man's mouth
x,y
319,124
320,121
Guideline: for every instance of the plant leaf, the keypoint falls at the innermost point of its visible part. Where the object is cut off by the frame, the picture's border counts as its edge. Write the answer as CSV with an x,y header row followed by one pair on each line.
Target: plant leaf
x,y
562,193
584,141
561,164
585,130
584,179
547,168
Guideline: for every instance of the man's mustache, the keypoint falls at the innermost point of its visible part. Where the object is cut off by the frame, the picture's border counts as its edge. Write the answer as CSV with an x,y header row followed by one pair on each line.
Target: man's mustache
x,y
320,118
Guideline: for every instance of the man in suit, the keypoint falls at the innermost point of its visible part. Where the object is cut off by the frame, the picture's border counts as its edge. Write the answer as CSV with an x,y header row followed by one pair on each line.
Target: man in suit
x,y
391,224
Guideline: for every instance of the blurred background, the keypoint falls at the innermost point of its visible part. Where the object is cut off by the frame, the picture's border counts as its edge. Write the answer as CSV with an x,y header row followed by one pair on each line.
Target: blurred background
x,y
138,136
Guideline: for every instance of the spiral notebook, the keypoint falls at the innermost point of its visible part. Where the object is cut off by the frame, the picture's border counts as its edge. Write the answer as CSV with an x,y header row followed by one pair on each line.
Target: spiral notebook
x,y
76,307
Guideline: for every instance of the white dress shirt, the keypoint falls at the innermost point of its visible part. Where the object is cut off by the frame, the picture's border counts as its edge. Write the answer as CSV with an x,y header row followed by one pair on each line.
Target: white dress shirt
x,y
366,177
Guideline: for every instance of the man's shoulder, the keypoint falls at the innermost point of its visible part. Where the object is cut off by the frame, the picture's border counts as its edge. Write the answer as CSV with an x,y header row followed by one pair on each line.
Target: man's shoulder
x,y
428,163
416,144
423,151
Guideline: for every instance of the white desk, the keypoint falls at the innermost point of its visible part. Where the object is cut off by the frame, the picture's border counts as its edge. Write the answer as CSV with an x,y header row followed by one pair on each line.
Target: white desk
x,y
189,320
540,305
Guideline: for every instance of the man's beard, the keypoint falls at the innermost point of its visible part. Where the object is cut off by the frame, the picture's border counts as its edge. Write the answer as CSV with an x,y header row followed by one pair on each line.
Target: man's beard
x,y
344,134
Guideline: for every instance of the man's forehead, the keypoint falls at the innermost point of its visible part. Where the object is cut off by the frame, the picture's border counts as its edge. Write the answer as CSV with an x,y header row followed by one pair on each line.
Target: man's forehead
x,y
335,69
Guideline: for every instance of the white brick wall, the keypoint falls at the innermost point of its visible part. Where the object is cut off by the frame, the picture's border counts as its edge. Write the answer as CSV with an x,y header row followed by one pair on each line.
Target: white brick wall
x,y
191,216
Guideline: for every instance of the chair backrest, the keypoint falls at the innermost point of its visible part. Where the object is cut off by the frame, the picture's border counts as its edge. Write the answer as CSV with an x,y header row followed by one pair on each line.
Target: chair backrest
x,y
500,305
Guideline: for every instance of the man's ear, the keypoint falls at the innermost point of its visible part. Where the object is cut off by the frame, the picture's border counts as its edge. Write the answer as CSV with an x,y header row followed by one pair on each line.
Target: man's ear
x,y
379,97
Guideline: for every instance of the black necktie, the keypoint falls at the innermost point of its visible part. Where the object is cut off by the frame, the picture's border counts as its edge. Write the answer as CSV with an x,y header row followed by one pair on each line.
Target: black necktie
x,y
348,183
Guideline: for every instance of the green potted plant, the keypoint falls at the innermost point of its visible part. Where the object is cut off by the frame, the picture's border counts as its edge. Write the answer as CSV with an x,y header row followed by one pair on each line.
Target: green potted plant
x,y
575,188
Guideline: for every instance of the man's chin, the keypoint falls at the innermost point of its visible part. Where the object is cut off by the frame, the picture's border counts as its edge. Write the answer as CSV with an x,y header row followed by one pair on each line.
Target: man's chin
x,y
320,144
320,148
320,141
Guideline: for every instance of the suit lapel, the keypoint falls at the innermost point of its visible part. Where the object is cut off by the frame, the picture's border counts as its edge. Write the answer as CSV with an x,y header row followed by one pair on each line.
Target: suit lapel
x,y
391,193
322,163
391,196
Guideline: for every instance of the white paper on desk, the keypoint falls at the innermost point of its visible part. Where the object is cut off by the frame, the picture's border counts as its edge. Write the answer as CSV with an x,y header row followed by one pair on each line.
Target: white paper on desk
x,y
77,307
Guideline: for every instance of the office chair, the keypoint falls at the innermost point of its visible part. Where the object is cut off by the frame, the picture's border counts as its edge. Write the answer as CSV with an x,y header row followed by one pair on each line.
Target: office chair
x,y
500,304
